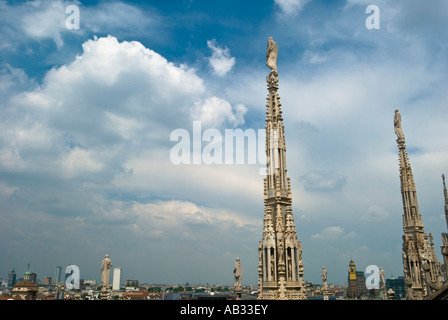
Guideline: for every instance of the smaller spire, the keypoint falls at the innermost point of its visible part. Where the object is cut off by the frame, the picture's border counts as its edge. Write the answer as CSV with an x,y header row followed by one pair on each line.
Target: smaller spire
x,y
28,269
445,193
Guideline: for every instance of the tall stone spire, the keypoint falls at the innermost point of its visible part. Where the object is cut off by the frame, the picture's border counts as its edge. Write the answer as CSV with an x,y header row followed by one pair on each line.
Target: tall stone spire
x,y
445,193
423,274
280,265
444,246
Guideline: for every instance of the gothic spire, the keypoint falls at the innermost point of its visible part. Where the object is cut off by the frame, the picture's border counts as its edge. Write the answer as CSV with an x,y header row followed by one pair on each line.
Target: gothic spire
x,y
280,265
445,193
420,265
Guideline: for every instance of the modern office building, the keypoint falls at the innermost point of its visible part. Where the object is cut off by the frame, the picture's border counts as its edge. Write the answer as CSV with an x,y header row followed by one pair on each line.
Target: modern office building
x,y
12,278
57,274
116,281
398,286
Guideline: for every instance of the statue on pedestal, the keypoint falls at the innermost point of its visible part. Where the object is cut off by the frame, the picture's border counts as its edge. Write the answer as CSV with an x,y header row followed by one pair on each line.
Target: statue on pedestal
x,y
324,278
383,284
105,272
272,55
398,128
237,273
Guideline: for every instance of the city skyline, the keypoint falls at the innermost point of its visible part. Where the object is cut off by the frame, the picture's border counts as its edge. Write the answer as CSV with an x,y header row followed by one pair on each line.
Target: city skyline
x,y
87,114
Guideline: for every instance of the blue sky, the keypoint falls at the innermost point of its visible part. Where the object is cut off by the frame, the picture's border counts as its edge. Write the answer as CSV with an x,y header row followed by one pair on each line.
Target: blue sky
x,y
86,117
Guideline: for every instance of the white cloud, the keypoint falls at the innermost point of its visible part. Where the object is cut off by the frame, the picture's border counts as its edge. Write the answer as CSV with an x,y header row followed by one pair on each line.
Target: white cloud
x,y
78,161
45,20
313,57
105,119
215,112
110,94
221,61
323,181
291,7
333,233
168,217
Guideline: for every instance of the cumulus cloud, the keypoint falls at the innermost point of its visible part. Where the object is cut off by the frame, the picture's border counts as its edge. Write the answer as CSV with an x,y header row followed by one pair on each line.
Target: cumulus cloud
x,y
215,112
96,130
221,61
108,95
45,20
163,218
291,7
114,101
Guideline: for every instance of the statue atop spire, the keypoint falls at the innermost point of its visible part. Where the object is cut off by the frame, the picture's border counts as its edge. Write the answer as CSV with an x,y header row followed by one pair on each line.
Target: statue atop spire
x,y
272,55
398,128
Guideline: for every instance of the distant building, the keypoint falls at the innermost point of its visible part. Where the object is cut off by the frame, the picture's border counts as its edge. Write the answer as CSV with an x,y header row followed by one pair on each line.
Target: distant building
x,y
116,282
46,281
356,282
398,286
352,288
25,290
131,283
57,274
12,278
89,282
27,274
33,277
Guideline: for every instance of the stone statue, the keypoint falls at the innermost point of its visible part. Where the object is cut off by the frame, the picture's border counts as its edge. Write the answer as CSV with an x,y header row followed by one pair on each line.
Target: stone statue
x,y
397,124
271,55
105,271
324,277
237,272
281,251
383,281
445,239
299,249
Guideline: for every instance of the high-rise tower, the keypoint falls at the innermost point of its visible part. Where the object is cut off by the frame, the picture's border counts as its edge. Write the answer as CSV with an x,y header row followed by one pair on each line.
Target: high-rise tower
x,y
280,265
116,281
423,273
